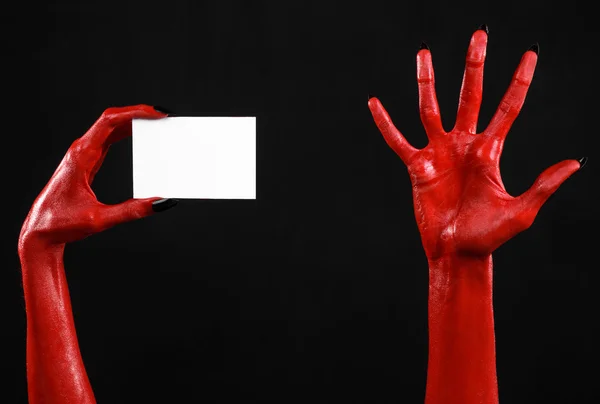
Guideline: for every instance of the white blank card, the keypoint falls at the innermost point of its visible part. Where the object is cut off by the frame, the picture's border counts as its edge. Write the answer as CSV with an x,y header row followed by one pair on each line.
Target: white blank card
x,y
195,157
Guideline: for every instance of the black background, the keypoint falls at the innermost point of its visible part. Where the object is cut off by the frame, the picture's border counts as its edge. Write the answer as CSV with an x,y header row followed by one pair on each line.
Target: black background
x,y
317,291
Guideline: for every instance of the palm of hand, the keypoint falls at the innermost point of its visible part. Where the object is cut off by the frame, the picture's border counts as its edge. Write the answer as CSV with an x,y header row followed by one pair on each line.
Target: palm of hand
x,y
458,197
461,205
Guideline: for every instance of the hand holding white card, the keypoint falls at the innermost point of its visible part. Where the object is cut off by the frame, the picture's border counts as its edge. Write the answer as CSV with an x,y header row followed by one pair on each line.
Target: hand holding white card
x,y
195,158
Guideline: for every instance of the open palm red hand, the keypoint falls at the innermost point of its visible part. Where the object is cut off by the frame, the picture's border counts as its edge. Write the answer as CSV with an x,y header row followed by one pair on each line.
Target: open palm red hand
x,y
460,202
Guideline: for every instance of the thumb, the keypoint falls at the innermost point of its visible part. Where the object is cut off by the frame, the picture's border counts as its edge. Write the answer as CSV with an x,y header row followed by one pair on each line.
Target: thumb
x,y
544,186
133,209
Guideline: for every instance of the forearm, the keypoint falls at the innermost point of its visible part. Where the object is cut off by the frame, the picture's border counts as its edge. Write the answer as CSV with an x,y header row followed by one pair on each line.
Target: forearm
x,y
462,360
55,370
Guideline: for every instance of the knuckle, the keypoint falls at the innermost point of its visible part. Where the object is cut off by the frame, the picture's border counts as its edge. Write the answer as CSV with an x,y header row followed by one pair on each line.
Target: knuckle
x,y
464,101
76,146
109,112
81,152
429,113
109,116
523,79
475,61
77,149
510,107
543,188
92,220
505,107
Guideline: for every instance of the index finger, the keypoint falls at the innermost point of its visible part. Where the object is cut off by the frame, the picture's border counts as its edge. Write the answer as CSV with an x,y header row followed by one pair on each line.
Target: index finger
x,y
99,135
514,98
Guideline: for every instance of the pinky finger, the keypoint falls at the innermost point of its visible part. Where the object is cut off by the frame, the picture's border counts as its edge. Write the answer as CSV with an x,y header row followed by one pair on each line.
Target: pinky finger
x,y
391,134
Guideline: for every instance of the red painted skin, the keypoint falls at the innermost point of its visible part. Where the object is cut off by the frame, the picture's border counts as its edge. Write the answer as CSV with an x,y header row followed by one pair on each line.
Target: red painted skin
x,y
65,211
462,210
463,214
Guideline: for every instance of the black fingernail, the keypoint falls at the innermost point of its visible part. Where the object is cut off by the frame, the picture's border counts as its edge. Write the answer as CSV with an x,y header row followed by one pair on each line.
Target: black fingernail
x,y
485,28
582,162
370,96
535,48
163,204
163,110
423,46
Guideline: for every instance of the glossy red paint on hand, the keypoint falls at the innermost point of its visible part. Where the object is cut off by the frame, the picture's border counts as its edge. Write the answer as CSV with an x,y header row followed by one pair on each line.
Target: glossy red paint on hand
x,y
67,210
464,213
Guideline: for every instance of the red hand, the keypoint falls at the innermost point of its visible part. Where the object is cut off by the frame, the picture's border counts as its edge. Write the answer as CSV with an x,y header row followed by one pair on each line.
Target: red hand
x,y
67,210
460,202
464,213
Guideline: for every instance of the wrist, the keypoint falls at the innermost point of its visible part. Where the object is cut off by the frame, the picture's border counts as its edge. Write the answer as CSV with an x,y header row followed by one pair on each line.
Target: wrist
x,y
37,253
462,362
460,293
34,242
456,270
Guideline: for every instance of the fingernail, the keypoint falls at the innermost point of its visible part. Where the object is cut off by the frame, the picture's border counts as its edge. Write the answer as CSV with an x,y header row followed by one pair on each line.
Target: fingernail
x,y
535,48
423,46
369,97
163,110
163,204
582,162
485,28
